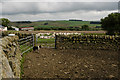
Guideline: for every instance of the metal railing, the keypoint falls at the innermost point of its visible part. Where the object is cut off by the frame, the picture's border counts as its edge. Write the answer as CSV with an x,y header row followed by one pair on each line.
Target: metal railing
x,y
26,43
45,42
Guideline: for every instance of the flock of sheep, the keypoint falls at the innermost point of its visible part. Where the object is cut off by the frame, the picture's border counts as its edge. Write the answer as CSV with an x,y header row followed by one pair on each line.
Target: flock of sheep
x,y
52,35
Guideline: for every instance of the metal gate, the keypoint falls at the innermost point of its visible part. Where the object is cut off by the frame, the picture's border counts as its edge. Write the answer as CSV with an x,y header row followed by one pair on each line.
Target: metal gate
x,y
26,43
45,41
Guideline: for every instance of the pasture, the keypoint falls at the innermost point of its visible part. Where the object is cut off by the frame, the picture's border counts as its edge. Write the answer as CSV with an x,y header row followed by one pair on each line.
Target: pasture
x,y
57,25
46,42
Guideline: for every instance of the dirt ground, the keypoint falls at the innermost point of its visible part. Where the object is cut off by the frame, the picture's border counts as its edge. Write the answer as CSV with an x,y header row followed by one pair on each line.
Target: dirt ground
x,y
53,63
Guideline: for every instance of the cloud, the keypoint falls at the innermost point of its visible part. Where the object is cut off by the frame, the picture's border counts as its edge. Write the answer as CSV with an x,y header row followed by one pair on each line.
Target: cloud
x,y
91,15
57,10
60,0
55,7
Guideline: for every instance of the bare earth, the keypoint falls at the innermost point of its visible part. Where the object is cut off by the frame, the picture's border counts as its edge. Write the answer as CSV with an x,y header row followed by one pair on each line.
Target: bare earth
x,y
52,63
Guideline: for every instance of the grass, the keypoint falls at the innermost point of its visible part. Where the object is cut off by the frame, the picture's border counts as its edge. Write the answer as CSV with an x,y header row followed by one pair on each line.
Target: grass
x,y
51,40
56,24
22,61
22,48
46,42
65,24
10,31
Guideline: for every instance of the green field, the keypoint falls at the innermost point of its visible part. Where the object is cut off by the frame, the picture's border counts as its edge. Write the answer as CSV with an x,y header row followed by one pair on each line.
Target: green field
x,y
51,40
56,25
46,42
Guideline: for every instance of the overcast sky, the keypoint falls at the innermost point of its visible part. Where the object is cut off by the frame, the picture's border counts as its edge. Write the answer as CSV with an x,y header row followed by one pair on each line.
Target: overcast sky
x,y
20,10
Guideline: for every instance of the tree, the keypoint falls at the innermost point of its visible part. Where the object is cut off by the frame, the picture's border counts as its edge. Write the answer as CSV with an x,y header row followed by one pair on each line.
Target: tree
x,y
111,23
4,22
85,27
45,23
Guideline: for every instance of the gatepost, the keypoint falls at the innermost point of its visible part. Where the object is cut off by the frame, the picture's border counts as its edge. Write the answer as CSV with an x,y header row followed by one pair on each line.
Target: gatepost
x,y
34,39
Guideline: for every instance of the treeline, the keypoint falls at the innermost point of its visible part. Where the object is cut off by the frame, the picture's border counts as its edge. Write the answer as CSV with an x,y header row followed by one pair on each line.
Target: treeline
x,y
23,22
95,22
74,20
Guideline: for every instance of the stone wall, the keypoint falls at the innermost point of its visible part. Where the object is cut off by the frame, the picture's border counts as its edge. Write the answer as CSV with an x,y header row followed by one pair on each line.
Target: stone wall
x,y
10,57
97,42
20,35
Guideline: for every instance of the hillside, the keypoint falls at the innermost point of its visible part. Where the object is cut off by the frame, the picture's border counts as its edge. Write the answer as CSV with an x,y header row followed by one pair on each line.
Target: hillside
x,y
55,24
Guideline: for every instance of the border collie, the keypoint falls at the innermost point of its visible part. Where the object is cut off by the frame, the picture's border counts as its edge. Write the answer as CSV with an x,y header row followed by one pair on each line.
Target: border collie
x,y
36,48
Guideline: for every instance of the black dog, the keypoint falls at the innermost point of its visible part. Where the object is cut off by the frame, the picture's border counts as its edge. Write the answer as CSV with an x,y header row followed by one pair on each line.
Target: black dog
x,y
36,48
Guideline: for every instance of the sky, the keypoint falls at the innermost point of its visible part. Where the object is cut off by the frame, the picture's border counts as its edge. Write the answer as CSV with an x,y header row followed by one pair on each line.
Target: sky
x,y
33,10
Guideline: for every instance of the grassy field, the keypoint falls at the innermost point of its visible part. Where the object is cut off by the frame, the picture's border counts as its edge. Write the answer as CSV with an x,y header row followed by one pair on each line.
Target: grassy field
x,y
46,42
51,40
56,24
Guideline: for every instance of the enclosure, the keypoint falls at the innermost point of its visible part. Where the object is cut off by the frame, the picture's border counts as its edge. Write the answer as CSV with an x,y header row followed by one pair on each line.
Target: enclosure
x,y
69,56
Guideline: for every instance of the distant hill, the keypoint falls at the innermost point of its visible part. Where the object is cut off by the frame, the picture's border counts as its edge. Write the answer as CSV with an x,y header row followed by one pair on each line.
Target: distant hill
x,y
54,24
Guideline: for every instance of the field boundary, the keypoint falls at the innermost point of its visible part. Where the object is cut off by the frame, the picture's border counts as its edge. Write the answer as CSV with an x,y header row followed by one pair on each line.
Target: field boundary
x,y
96,42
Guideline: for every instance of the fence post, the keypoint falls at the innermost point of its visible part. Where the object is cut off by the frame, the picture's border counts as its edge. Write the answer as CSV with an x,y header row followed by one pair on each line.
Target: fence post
x,y
55,41
34,40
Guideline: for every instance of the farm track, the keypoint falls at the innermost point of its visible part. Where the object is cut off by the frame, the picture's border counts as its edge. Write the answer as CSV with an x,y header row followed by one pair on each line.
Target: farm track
x,y
52,63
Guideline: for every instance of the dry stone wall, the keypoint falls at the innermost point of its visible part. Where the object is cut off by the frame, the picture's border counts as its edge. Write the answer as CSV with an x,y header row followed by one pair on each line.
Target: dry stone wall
x,y
10,57
98,42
